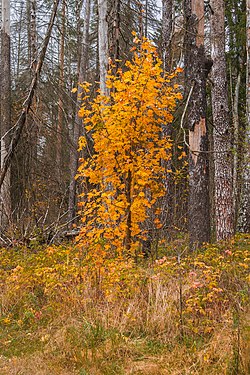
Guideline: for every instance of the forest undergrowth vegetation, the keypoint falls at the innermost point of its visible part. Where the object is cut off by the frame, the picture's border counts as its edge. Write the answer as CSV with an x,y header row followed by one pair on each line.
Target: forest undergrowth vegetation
x,y
182,313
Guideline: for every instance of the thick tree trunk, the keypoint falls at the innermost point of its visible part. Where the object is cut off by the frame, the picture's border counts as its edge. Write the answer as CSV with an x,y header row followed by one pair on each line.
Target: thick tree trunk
x,y
244,219
223,176
195,83
103,44
5,120
74,155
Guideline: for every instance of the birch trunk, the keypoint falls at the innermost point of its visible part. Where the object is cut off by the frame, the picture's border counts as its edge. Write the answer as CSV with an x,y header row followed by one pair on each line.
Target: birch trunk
x,y
103,44
5,120
223,174
195,82
115,35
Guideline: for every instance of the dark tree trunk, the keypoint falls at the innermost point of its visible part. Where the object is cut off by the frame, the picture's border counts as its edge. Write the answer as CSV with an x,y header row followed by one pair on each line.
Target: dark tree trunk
x,y
195,85
167,28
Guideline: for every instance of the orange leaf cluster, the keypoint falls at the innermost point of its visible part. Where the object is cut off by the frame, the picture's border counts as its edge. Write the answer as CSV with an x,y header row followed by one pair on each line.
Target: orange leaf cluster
x,y
126,171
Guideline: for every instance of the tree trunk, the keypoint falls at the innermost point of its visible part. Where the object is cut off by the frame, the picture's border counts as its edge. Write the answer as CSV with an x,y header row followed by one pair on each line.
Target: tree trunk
x,y
103,44
5,120
195,83
223,176
61,93
74,155
167,29
115,35
244,219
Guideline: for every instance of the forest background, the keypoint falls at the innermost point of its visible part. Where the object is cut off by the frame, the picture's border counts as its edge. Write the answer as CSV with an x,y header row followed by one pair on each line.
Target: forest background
x,y
149,106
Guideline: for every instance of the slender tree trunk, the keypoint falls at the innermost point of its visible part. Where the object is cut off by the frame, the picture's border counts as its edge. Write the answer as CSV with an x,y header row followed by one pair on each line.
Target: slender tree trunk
x,y
236,156
167,201
195,82
167,30
5,120
74,155
61,92
223,176
244,219
115,41
103,44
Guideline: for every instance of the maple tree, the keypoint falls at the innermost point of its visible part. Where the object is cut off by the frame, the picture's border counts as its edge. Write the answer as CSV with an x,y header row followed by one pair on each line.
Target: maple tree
x,y
127,169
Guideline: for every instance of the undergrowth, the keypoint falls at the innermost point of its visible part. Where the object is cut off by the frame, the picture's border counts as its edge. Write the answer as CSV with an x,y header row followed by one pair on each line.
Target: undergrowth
x,y
183,313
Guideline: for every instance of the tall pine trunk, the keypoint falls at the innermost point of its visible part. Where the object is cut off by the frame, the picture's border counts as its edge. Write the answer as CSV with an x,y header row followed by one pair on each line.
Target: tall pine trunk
x,y
195,83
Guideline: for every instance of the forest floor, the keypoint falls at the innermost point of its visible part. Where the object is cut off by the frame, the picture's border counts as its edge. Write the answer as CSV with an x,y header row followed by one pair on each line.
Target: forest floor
x,y
179,314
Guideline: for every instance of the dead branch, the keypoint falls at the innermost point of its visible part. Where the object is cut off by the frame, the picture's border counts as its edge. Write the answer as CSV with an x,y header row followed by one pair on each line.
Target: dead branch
x,y
28,101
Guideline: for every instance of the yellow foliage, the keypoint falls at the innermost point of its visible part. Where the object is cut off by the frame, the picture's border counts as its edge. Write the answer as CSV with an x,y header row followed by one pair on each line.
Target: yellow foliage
x,y
127,169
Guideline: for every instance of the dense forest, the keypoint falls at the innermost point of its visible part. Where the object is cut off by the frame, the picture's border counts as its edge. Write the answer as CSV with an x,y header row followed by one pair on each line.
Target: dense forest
x,y
125,187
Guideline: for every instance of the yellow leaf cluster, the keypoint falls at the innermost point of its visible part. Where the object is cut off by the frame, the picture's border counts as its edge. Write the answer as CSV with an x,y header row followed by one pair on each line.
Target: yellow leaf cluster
x,y
127,167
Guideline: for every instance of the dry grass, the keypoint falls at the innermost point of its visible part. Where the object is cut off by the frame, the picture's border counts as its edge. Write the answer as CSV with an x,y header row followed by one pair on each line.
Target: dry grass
x,y
82,332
